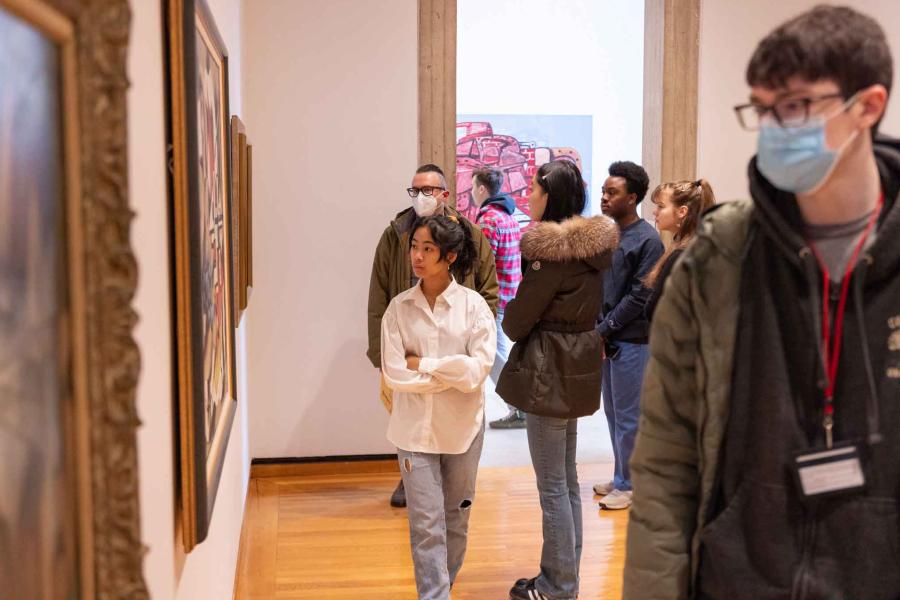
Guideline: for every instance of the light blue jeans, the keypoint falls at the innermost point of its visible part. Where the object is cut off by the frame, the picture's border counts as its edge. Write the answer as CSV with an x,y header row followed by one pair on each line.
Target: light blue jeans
x,y
552,443
504,345
622,381
440,489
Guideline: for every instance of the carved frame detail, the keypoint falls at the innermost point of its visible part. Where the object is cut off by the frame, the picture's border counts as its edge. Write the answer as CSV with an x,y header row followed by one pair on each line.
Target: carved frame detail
x,y
110,281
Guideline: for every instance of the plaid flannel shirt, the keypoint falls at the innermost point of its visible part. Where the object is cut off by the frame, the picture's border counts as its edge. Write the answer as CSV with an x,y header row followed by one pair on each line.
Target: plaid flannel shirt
x,y
504,234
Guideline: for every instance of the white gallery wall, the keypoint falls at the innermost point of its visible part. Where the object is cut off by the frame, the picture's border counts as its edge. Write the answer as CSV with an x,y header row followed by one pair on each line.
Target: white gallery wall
x,y
330,97
729,32
572,57
208,572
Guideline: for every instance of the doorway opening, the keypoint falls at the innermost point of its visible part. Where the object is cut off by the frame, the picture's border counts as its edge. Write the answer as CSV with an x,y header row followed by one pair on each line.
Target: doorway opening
x,y
537,82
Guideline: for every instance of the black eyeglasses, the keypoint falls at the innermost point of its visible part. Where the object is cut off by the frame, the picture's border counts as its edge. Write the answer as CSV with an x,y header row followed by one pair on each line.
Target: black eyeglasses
x,y
427,190
790,112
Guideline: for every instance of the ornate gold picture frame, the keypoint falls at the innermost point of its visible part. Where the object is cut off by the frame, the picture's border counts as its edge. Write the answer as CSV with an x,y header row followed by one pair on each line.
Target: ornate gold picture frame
x,y
69,495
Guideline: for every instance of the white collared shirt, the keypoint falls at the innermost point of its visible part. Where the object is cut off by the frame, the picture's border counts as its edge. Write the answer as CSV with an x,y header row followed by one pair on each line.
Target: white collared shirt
x,y
438,409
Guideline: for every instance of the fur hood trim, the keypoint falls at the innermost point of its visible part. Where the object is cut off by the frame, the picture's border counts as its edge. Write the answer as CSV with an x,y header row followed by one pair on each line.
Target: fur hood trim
x,y
577,238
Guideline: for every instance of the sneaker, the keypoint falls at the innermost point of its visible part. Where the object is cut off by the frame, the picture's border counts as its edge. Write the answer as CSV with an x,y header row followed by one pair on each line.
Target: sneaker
x,y
526,591
514,420
616,500
524,582
604,489
398,498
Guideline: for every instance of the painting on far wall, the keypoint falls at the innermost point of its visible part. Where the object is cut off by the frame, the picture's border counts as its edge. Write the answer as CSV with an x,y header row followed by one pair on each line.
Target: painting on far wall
x,y
518,145
241,217
37,518
205,300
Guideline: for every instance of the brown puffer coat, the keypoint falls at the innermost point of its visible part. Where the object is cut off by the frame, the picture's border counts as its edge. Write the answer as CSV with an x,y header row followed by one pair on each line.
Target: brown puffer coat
x,y
555,366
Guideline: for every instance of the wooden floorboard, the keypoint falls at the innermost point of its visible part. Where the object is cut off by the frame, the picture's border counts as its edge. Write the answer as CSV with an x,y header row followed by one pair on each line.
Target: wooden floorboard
x,y
331,467
336,537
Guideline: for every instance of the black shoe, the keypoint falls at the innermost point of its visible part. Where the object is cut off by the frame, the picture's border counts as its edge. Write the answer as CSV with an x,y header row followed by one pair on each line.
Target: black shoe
x,y
525,590
514,420
398,498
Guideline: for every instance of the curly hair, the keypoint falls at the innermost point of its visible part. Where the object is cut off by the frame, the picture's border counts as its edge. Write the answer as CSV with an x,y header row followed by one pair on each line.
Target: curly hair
x,y
637,181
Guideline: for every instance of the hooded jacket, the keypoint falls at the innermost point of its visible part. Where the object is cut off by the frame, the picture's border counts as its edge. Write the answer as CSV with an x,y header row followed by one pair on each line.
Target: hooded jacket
x,y
734,388
392,272
555,366
502,202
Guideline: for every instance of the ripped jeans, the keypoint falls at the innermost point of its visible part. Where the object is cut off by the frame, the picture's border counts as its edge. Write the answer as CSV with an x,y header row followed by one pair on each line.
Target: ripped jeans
x,y
440,489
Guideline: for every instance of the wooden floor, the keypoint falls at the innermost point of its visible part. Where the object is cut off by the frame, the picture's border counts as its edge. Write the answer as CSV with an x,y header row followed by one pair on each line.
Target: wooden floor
x,y
335,536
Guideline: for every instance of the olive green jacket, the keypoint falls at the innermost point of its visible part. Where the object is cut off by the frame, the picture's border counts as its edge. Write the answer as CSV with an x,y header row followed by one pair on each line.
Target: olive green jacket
x,y
392,273
685,408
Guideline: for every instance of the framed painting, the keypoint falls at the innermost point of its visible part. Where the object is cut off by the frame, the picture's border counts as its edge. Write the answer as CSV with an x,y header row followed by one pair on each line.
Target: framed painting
x,y
238,151
246,223
249,218
69,515
242,235
204,282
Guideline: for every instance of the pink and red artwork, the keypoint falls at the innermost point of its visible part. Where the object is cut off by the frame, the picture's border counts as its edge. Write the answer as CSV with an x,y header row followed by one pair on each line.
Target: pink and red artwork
x,y
478,146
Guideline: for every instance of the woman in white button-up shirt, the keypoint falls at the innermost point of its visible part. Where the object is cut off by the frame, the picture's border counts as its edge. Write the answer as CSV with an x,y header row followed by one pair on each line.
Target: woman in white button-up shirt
x,y
438,341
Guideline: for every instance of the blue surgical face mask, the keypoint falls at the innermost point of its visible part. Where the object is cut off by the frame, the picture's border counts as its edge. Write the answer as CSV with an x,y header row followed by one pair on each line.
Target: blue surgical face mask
x,y
797,159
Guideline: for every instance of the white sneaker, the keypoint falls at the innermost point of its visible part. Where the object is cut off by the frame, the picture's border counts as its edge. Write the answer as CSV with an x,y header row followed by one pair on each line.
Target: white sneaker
x,y
616,500
604,489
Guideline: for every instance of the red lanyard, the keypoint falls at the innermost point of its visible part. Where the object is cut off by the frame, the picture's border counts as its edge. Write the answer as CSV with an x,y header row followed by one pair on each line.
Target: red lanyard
x,y
835,330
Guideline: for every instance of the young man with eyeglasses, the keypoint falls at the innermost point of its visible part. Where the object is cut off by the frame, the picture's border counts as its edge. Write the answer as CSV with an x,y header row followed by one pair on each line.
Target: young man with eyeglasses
x,y
766,463
392,270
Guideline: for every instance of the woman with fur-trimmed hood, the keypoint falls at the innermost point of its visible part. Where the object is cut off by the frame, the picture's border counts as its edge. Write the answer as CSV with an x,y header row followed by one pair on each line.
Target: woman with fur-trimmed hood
x,y
555,368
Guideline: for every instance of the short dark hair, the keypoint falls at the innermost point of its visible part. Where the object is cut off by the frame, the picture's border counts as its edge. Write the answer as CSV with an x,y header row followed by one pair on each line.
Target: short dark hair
x,y
492,179
450,235
564,185
636,180
827,42
432,168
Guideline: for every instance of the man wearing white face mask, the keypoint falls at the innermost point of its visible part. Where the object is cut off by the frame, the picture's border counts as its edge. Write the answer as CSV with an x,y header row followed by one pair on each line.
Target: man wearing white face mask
x,y
392,270
766,460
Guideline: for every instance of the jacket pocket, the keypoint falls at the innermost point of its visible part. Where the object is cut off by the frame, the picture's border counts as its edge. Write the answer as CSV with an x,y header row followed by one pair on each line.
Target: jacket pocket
x,y
751,548
856,549
519,383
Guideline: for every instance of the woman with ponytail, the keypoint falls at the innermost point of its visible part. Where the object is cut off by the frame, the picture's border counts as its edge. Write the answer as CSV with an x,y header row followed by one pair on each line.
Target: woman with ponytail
x,y
679,207
554,373
438,341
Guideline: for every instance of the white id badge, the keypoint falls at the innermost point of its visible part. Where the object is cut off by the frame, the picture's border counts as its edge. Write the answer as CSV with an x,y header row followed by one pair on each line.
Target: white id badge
x,y
822,473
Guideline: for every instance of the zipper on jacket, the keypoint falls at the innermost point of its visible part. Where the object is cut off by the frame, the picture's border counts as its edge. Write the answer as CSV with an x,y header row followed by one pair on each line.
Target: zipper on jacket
x,y
807,543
